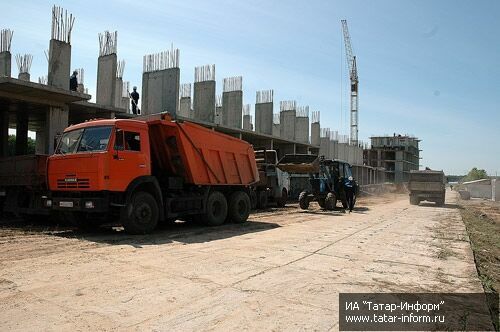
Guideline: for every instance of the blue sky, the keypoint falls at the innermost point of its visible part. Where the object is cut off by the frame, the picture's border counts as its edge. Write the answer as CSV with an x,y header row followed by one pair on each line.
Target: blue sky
x,y
426,68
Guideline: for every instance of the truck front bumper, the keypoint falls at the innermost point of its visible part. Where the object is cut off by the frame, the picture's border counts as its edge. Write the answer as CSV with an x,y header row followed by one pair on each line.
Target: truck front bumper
x,y
84,204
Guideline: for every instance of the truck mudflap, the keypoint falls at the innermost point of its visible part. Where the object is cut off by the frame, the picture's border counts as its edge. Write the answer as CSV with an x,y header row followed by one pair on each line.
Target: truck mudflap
x,y
84,204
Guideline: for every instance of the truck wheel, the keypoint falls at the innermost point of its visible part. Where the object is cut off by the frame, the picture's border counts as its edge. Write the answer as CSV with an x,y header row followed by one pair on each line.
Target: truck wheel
x,y
140,216
262,199
414,200
281,202
239,207
330,201
216,209
83,221
304,200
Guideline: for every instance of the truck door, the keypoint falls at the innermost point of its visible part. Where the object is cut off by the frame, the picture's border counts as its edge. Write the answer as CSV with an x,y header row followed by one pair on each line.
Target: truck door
x,y
129,158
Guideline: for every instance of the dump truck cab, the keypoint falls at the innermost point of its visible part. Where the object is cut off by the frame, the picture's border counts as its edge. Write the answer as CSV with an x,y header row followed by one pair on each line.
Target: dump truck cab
x,y
141,172
274,184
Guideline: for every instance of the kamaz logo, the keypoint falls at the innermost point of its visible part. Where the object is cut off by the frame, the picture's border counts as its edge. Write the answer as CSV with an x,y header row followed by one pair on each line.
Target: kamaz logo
x,y
70,180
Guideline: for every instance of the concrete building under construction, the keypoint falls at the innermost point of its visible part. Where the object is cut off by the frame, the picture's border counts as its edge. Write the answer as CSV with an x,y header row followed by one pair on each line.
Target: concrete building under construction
x,y
398,154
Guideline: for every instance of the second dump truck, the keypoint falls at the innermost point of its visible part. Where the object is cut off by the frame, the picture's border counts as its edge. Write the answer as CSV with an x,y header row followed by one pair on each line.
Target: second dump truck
x,y
427,185
145,172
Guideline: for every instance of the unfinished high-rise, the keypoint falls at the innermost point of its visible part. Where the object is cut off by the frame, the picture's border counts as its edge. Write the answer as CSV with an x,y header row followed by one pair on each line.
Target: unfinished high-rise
x,y
398,154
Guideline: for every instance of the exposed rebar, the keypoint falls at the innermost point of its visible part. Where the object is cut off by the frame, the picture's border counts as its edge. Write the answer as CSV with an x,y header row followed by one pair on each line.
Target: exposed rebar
x,y
204,73
62,24
108,43
125,89
246,109
80,75
161,61
185,90
276,118
5,40
232,84
218,101
264,96
24,62
325,133
315,116
43,80
288,105
120,67
302,112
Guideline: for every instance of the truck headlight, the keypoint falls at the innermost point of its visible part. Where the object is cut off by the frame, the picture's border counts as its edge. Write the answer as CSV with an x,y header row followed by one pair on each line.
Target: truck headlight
x,y
48,203
89,205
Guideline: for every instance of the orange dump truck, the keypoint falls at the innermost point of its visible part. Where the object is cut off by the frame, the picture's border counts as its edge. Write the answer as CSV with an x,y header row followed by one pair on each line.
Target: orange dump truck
x,y
151,171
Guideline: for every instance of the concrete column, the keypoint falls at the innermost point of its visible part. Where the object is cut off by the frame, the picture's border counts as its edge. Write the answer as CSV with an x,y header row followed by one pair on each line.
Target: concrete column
x,y
21,133
59,64
126,104
5,64
287,122
160,91
218,115
185,107
118,92
204,101
264,118
324,147
315,133
106,80
232,104
247,122
276,129
56,122
4,132
24,77
302,129
41,142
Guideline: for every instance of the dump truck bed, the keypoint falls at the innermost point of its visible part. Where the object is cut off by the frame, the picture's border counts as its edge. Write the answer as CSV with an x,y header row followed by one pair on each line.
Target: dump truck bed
x,y
29,170
426,181
199,155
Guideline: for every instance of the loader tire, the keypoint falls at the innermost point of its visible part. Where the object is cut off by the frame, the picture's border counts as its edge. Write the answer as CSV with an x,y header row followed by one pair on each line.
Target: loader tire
x,y
321,203
330,201
304,200
216,209
141,214
239,207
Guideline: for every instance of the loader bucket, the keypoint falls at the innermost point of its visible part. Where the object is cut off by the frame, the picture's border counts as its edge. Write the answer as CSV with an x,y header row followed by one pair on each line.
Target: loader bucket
x,y
299,163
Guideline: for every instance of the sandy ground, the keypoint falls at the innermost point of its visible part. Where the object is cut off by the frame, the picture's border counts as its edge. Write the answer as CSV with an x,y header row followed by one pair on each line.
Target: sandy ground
x,y
282,271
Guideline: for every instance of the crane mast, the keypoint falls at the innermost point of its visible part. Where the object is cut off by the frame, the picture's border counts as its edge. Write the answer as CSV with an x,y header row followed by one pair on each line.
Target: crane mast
x,y
353,76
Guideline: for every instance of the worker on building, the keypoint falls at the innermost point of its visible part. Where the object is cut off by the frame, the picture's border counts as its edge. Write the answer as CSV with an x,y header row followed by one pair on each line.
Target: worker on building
x,y
73,81
135,100
349,188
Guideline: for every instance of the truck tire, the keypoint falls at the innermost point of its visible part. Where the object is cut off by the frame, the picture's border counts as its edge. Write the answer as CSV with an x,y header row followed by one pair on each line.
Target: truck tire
x,y
83,221
414,200
261,199
239,207
216,209
281,202
330,201
304,200
141,215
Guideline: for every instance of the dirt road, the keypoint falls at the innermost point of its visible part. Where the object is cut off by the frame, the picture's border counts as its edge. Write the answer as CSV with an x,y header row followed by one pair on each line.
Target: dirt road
x,y
282,271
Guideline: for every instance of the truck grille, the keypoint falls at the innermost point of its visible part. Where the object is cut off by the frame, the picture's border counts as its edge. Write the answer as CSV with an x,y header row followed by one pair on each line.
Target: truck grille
x,y
78,184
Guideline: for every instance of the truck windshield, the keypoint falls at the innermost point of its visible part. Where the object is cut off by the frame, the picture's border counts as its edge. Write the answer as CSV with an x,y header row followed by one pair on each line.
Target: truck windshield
x,y
89,139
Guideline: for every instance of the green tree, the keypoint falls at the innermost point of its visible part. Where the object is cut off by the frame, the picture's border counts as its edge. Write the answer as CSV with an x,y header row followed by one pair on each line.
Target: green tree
x,y
475,174
12,145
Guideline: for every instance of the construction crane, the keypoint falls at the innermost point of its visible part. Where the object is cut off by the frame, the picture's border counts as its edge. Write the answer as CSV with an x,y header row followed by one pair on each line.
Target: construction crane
x,y
353,76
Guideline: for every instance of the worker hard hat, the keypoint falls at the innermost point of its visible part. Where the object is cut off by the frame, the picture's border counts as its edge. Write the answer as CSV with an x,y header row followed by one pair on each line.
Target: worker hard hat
x,y
135,88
